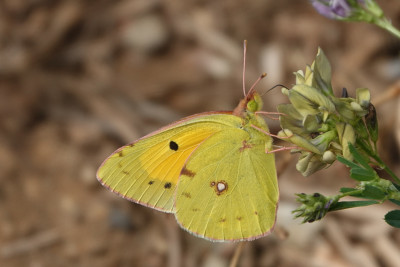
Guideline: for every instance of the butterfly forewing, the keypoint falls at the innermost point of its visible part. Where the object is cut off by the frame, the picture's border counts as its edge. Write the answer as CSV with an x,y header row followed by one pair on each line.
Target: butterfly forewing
x,y
147,171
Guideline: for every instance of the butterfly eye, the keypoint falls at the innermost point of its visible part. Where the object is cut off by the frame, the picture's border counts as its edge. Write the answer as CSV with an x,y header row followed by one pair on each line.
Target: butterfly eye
x,y
255,104
173,146
252,106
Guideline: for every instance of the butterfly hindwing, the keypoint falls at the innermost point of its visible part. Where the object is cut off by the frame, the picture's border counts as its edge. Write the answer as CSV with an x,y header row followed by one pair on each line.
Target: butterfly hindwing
x,y
229,188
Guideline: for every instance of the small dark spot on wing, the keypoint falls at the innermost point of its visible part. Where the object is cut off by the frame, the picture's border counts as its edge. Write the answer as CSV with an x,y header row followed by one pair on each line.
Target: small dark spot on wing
x,y
167,185
125,172
151,182
120,154
187,194
187,172
173,145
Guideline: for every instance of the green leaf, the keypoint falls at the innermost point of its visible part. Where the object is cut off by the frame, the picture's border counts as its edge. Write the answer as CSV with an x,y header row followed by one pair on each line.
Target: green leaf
x,y
360,174
359,158
397,186
373,192
395,201
351,204
393,218
347,162
347,189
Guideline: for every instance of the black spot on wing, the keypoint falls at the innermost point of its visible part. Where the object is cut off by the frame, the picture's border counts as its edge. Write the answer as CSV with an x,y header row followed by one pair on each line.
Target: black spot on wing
x,y
173,145
167,185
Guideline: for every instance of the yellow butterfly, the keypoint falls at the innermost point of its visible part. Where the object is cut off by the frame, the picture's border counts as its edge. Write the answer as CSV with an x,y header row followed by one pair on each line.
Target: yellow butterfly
x,y
210,169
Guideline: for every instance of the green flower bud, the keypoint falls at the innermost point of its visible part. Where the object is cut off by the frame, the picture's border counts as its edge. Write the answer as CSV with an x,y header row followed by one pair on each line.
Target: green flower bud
x,y
322,141
356,107
291,120
348,136
328,157
344,109
300,77
298,140
290,111
322,73
340,130
363,97
308,100
311,123
302,163
314,207
309,163
285,91
309,76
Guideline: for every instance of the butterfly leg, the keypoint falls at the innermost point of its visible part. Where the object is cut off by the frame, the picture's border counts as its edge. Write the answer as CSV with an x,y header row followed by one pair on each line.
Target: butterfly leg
x,y
270,134
284,148
268,114
279,137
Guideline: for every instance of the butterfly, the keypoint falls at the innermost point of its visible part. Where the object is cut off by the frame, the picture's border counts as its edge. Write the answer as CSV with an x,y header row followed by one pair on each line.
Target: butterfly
x,y
212,170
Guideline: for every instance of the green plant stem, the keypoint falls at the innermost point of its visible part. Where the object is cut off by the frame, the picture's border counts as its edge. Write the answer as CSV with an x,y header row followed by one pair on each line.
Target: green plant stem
x,y
375,156
384,23
386,168
351,193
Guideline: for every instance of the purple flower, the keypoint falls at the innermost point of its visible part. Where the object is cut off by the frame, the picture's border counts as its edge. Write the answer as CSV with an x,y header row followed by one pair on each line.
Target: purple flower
x,y
351,10
332,9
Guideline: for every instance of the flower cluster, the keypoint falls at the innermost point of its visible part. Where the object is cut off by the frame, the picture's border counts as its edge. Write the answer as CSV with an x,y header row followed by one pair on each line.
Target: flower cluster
x,y
322,125
314,207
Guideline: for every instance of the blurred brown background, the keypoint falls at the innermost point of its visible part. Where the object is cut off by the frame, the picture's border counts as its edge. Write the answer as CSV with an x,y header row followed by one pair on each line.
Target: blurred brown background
x,y
79,79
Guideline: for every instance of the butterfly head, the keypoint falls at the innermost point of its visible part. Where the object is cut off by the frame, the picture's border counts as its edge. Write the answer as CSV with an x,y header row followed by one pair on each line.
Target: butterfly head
x,y
250,104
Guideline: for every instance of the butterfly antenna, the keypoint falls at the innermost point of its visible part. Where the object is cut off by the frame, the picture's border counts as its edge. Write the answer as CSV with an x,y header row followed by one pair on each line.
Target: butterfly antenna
x,y
244,66
244,73
262,76
273,87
